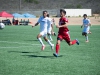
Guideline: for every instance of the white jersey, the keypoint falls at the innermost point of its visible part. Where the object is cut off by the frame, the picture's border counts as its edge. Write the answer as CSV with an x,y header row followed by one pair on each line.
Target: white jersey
x,y
43,23
85,24
49,24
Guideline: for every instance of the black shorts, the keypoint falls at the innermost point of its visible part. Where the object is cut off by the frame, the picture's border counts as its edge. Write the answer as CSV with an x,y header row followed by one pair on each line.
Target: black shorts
x,y
84,33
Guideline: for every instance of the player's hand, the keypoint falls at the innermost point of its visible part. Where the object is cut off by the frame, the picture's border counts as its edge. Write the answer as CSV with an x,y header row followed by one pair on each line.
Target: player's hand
x,y
81,26
57,26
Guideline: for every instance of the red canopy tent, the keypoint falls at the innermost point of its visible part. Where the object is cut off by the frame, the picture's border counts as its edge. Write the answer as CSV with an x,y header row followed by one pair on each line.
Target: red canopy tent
x,y
5,14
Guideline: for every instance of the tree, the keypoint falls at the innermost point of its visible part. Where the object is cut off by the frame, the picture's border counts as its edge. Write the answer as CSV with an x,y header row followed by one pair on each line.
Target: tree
x,y
79,6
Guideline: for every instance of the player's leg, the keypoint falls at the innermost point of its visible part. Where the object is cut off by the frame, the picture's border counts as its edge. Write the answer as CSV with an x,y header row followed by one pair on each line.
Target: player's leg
x,y
53,33
87,39
89,30
59,38
74,42
57,48
48,41
40,40
67,39
86,36
83,34
49,35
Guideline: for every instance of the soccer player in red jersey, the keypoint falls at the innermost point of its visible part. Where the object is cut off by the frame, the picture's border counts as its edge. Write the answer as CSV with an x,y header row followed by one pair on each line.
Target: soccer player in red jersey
x,y
63,32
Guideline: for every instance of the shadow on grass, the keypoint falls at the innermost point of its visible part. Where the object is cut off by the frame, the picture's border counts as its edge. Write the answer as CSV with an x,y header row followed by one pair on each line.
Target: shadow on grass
x,y
31,40
37,56
20,52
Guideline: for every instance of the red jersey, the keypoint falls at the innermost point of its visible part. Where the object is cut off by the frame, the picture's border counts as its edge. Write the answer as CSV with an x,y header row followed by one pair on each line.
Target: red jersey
x,y
62,21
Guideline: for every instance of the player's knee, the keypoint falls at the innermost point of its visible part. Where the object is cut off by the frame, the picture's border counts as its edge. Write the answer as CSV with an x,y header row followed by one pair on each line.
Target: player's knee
x,y
59,39
37,37
58,42
45,39
48,33
69,43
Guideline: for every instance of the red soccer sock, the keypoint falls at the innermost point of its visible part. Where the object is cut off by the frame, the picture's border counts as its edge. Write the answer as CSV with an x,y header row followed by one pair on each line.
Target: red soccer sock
x,y
74,42
57,48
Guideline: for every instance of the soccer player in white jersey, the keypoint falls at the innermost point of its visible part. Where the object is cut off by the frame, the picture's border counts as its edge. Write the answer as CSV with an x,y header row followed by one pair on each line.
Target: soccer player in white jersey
x,y
43,20
50,28
86,24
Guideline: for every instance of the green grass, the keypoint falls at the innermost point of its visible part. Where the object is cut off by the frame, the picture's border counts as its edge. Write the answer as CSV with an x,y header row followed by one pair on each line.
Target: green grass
x,y
20,53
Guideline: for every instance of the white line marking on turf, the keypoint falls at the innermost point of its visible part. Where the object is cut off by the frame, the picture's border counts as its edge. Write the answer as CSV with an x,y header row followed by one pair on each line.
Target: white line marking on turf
x,y
19,47
32,45
18,43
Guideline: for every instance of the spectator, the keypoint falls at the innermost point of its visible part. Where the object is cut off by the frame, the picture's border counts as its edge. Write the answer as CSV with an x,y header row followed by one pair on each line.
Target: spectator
x,y
13,21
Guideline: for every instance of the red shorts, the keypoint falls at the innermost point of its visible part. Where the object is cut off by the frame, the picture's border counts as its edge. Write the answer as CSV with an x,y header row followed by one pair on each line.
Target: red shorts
x,y
64,36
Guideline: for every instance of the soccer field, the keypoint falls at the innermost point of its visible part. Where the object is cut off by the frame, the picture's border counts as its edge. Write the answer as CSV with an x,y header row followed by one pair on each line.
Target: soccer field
x,y
20,53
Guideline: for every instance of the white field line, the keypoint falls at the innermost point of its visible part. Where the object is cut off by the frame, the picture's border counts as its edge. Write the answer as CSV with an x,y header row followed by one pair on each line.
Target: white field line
x,y
18,43
31,45
19,47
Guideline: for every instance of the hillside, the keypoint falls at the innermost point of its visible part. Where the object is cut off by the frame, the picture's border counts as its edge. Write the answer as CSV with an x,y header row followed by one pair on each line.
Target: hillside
x,y
14,5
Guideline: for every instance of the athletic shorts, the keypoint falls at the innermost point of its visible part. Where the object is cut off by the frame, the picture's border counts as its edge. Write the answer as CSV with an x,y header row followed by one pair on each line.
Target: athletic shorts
x,y
86,30
43,33
64,36
84,33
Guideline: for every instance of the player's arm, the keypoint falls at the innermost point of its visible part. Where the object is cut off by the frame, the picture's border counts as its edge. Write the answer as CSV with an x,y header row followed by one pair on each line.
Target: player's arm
x,y
52,28
35,24
89,23
60,26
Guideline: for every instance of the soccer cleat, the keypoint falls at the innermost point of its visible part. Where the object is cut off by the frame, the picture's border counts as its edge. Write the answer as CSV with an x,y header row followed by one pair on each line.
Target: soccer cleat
x,y
87,41
43,47
77,42
52,47
55,54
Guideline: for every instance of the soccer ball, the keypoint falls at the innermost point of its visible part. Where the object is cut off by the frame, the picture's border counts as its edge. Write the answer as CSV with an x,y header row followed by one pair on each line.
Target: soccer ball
x,y
2,26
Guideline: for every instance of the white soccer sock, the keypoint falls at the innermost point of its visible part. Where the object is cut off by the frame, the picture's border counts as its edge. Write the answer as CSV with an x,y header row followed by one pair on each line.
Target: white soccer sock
x,y
86,38
50,37
40,40
49,43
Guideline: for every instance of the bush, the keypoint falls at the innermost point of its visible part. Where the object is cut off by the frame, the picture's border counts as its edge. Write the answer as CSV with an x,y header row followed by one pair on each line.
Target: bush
x,y
68,6
79,6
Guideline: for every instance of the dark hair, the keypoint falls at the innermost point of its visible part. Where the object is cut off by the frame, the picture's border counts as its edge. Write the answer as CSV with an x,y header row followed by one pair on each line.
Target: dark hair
x,y
44,11
85,15
62,10
48,15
